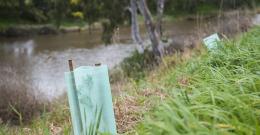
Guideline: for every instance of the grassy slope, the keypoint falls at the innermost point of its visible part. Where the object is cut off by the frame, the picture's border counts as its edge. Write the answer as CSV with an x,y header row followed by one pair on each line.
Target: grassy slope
x,y
216,93
210,93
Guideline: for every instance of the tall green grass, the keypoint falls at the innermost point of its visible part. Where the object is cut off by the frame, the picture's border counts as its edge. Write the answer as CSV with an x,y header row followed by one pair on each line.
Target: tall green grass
x,y
217,93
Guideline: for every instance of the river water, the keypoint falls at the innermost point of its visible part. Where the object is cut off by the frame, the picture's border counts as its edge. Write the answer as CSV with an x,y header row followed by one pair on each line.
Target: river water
x,y
42,60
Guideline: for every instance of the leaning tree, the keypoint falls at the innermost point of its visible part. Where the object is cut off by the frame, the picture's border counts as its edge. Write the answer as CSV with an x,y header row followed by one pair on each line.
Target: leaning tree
x,y
154,29
113,13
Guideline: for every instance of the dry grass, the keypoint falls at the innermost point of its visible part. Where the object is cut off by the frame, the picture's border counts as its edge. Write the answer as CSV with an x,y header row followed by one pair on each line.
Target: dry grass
x,y
133,99
18,104
127,113
129,110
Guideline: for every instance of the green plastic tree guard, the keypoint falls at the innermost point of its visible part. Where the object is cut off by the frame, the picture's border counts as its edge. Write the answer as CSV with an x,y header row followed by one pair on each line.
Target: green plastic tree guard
x,y
90,100
211,42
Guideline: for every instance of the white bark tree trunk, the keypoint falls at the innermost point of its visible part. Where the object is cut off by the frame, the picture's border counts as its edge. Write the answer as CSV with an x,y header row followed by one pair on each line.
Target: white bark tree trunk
x,y
160,8
153,35
134,24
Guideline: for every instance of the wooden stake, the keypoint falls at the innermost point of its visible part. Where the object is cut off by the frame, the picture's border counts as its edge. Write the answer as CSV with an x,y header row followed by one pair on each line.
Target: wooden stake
x,y
73,101
70,65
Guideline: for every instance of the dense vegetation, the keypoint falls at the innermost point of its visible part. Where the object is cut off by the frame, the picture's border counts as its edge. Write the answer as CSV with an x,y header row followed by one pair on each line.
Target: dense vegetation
x,y
109,13
216,93
92,10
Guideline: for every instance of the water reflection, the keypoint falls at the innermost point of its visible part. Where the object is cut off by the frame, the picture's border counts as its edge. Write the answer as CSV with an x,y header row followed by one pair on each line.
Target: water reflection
x,y
20,48
48,67
256,20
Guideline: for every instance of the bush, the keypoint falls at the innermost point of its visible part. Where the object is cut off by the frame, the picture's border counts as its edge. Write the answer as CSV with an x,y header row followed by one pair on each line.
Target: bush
x,y
17,101
136,65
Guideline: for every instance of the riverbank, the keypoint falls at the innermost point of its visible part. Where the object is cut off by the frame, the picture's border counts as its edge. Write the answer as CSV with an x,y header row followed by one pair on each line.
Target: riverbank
x,y
211,92
11,28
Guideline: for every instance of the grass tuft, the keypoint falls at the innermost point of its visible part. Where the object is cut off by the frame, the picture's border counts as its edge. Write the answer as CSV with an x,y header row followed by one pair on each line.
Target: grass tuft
x,y
218,93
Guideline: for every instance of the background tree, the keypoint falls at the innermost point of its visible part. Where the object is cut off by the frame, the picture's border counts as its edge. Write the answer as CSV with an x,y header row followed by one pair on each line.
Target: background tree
x,y
110,13
160,9
114,14
92,11
60,11
134,24
150,26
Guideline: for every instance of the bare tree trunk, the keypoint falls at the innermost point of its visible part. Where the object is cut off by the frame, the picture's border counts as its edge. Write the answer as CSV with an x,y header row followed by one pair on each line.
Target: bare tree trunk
x,y
134,24
153,35
160,8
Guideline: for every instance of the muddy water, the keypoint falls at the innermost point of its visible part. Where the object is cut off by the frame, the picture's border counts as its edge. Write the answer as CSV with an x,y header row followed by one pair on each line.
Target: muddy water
x,y
43,59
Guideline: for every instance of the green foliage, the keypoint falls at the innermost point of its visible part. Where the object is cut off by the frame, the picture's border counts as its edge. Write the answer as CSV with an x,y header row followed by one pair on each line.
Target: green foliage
x,y
214,94
114,11
175,7
94,126
206,8
136,65
92,10
60,10
111,13
78,14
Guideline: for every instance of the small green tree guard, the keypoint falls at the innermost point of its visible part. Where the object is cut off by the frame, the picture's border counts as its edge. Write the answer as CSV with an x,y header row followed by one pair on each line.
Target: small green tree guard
x,y
94,97
211,42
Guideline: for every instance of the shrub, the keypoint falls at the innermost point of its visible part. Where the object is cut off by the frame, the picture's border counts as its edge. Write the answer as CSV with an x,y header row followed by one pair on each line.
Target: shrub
x,y
17,101
136,65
